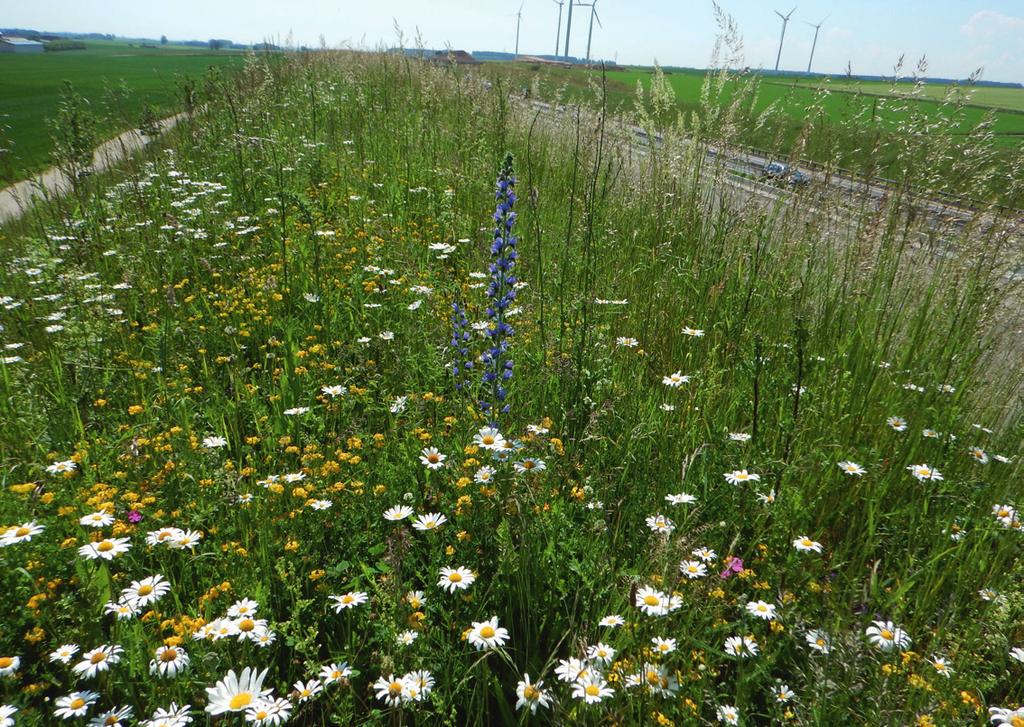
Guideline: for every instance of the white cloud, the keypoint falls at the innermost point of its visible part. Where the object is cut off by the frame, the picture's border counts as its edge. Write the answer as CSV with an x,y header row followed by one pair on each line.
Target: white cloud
x,y
995,42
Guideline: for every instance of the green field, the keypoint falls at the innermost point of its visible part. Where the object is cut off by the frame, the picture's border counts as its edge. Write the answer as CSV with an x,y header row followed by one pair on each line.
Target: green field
x,y
30,86
1009,99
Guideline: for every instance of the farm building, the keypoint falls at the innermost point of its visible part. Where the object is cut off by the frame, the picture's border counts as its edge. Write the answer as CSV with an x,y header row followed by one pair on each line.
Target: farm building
x,y
12,44
458,57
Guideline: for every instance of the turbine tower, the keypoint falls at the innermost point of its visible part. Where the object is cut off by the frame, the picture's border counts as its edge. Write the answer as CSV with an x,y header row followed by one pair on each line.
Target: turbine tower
x,y
590,33
558,32
519,19
815,43
568,29
785,20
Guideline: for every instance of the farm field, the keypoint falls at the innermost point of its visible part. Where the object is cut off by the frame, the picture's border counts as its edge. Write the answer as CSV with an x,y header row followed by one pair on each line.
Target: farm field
x,y
365,397
31,87
1010,99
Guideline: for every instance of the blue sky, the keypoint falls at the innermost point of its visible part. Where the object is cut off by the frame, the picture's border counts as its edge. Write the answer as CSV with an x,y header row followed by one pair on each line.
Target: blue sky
x,y
956,36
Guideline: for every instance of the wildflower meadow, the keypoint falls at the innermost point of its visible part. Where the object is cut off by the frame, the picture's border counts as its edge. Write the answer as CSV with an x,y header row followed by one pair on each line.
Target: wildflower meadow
x,y
377,393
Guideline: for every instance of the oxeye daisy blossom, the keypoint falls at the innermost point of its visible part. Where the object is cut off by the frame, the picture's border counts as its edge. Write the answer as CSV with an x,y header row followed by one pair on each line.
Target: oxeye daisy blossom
x,y
269,712
693,569
601,653
571,670
75,704
805,544
348,600
456,579
743,647
243,607
415,599
611,621
591,689
99,659
682,498
398,512
663,646
334,390
389,690
429,521
694,332
783,693
978,454
146,591
214,442
761,609
651,601
20,533
529,464
169,661
484,475
897,423
1006,716
941,666
487,634
851,468
627,342
432,458
728,714
250,629
887,636
923,472
1017,654
675,380
7,712
331,673
818,640
64,654
9,665
737,477
705,554
739,436
164,536
236,692
489,438
186,540
106,549
304,691
98,519
122,610
63,467
406,637
531,695
660,524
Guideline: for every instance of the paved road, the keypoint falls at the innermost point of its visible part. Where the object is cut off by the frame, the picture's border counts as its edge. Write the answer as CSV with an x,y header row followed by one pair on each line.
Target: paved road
x,y
17,198
745,175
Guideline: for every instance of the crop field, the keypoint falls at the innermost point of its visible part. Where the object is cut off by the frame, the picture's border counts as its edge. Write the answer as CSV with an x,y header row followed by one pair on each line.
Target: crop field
x,y
369,396
119,81
1009,99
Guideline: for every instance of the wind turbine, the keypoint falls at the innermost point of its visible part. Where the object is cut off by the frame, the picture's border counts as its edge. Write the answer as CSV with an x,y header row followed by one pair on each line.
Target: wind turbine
x,y
558,33
590,33
815,43
519,19
568,29
785,20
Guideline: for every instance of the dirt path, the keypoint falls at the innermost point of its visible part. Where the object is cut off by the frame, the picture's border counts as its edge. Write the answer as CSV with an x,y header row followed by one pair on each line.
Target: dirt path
x,y
16,199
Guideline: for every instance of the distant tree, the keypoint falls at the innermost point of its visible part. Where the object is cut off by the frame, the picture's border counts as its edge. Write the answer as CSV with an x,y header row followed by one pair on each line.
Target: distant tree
x,y
163,40
214,44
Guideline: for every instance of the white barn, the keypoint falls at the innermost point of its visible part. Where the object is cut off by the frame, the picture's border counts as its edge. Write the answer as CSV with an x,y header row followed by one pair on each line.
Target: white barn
x,y
13,44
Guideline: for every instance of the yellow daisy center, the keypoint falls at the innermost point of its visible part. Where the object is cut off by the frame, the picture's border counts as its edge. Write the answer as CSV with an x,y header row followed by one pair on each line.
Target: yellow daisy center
x,y
145,590
455,577
887,634
5,662
592,690
395,688
97,658
246,624
530,692
651,600
77,703
487,632
105,546
22,532
240,701
169,655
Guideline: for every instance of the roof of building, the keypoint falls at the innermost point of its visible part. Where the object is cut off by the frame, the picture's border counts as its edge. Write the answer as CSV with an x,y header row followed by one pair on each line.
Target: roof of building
x,y
14,40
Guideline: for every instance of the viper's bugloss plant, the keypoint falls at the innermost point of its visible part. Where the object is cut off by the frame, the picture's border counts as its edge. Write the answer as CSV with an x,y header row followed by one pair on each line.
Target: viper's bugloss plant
x,y
462,362
500,293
